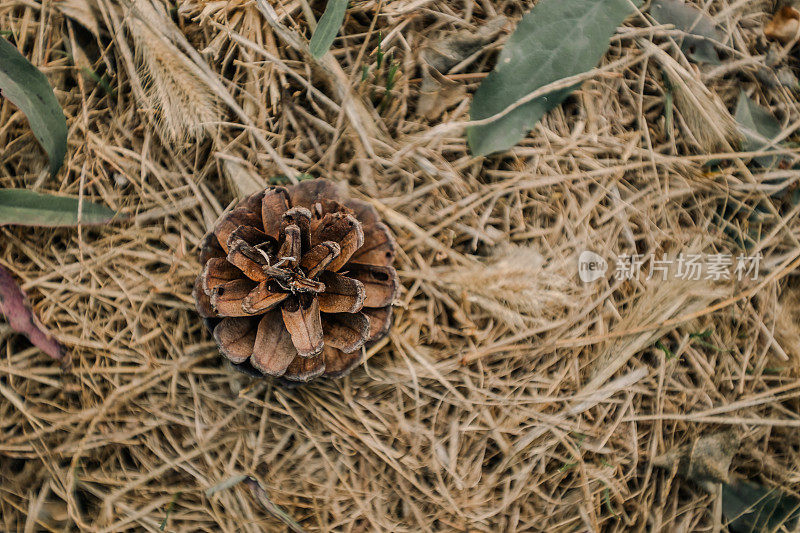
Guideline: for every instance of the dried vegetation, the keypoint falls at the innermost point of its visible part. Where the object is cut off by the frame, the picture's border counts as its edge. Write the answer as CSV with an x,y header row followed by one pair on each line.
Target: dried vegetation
x,y
509,395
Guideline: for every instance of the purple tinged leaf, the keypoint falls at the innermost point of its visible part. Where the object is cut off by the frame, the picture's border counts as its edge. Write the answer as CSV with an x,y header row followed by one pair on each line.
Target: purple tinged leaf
x,y
15,308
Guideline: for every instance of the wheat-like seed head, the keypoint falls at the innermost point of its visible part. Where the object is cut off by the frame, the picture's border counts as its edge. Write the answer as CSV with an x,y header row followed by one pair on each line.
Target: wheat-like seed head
x,y
185,108
517,287
705,116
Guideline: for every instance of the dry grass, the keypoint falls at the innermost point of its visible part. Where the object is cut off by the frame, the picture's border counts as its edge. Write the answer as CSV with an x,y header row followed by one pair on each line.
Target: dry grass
x,y
509,396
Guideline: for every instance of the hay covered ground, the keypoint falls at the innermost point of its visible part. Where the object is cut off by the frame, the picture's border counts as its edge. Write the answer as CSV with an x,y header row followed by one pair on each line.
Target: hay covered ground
x,y
510,396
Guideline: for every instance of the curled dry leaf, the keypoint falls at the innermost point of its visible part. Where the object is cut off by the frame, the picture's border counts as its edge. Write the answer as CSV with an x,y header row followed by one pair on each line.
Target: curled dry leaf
x,y
17,311
446,51
706,461
261,494
81,11
437,93
263,498
438,56
784,26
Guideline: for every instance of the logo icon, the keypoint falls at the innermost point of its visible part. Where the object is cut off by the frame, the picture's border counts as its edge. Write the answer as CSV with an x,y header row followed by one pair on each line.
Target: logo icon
x,y
591,266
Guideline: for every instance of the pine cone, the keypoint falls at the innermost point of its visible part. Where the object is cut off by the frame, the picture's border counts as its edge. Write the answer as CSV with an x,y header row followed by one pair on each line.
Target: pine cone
x,y
296,280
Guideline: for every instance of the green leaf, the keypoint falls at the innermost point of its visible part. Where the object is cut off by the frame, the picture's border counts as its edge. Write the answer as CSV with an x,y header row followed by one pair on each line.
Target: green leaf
x,y
28,208
327,28
25,86
555,40
750,507
701,31
758,127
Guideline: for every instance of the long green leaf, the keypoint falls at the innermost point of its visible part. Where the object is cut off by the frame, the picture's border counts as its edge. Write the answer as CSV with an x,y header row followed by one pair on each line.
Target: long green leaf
x,y
328,27
758,127
28,208
555,40
25,86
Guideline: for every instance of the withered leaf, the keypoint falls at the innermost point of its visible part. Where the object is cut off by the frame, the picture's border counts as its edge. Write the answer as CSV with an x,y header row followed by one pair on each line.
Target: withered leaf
x,y
17,311
784,26
701,32
446,51
437,93
751,507
706,461
270,507
438,56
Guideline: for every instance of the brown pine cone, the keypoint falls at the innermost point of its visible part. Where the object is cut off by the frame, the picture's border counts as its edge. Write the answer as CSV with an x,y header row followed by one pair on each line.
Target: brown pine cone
x,y
296,280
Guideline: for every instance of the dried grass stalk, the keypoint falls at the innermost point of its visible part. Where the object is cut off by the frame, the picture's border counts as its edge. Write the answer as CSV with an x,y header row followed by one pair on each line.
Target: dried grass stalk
x,y
185,106
787,325
149,418
658,302
518,287
705,115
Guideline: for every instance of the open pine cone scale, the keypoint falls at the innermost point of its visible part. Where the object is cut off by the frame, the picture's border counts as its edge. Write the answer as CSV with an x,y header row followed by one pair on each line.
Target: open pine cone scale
x,y
296,280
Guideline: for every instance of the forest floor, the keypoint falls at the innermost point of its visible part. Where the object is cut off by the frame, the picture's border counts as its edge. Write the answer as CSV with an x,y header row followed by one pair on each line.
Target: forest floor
x,y
510,395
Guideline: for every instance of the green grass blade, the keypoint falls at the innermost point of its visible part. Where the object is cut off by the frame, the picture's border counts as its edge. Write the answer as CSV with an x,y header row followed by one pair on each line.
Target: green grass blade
x,y
328,27
28,208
